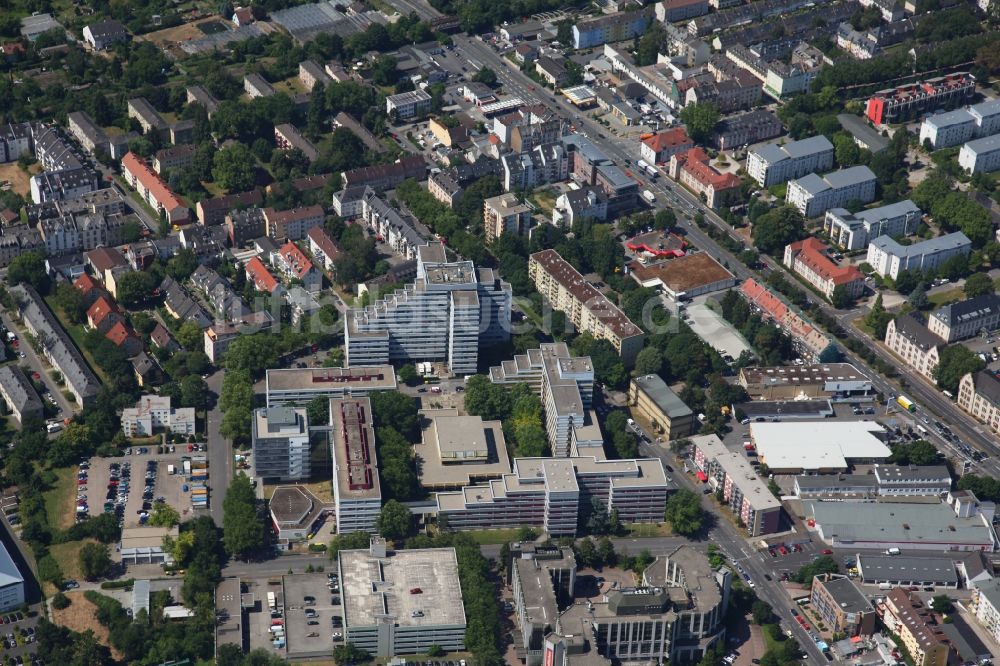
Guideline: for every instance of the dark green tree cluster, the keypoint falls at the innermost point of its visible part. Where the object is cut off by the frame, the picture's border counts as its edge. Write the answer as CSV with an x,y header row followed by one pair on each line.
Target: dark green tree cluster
x,y
953,209
358,257
243,530
396,425
29,268
684,512
878,318
608,366
955,362
394,520
777,228
772,345
622,442
986,488
700,120
595,554
516,407
821,565
920,452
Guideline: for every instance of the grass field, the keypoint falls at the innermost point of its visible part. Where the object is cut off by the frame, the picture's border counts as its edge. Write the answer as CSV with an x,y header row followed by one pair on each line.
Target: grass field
x,y
648,529
68,557
17,178
486,537
59,505
81,615
947,296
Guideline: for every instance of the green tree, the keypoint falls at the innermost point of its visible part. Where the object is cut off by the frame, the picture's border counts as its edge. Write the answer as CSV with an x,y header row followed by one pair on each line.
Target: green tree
x,y
242,527
190,335
164,515
840,298
394,520
650,44
69,299
762,612
348,653
918,297
821,565
135,288
94,560
979,284
700,119
233,168
318,411
941,603
777,228
649,361
182,265
194,392
956,361
684,512
920,452
407,374
29,268
487,76
878,318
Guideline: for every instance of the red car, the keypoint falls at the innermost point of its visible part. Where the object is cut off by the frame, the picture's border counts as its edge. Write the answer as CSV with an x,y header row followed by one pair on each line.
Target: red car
x,y
828,552
782,550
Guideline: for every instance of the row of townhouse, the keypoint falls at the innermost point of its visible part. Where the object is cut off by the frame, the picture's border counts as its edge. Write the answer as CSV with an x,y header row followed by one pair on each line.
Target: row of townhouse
x,y
148,184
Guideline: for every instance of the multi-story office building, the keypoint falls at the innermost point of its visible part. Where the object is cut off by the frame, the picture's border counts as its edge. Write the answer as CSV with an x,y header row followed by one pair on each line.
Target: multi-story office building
x,y
774,163
553,493
979,395
543,581
408,105
588,165
589,310
745,492
813,195
281,444
298,386
899,104
965,319
652,400
907,617
986,605
616,27
854,231
357,492
153,413
445,315
57,346
808,259
981,155
952,128
18,393
565,385
889,258
912,480
505,214
907,337
11,582
843,607
402,603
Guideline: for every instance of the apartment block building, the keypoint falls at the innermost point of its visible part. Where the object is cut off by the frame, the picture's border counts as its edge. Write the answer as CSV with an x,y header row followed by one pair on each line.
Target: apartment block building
x,y
906,616
907,337
322,248
149,118
588,309
986,605
889,258
443,187
588,165
979,395
746,494
177,157
408,105
551,492
966,319
386,176
505,214
590,32
288,137
153,190
775,163
651,399
981,155
280,440
397,231
745,129
565,385
19,395
809,339
842,606
446,314
213,211
357,492
292,224
255,85
944,130
543,163
154,413
904,102
693,169
854,231
199,95
813,195
809,259
543,581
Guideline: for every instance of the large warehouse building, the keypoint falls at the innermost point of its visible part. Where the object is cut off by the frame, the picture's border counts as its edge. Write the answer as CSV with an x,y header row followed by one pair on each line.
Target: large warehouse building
x,y
817,446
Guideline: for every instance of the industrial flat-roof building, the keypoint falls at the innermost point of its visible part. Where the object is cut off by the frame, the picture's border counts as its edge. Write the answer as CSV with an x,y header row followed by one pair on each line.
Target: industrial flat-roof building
x,y
789,448
960,523
884,481
842,605
747,494
402,602
685,276
902,571
838,382
144,545
653,400
300,385
357,491
457,450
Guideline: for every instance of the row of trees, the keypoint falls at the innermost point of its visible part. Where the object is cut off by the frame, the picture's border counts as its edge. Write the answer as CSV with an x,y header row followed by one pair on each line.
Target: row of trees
x,y
396,425
243,530
773,346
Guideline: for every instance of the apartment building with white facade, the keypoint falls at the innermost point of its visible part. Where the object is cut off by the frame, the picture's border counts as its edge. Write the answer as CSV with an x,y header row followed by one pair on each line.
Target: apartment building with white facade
x,y
854,231
589,310
813,195
965,319
907,337
979,395
357,492
775,163
889,258
446,314
952,128
11,582
505,214
981,155
152,413
746,494
986,606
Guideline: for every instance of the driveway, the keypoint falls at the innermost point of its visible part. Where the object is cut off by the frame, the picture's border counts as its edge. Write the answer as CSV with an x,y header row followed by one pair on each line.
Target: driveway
x,y
39,365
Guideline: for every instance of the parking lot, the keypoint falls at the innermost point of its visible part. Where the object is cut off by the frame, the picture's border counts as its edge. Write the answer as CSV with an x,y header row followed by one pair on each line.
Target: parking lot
x,y
129,485
17,633
308,613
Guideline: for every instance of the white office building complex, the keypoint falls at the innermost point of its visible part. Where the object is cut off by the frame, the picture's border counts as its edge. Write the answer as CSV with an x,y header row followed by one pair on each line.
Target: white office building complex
x,y
854,231
981,155
889,258
281,444
774,163
449,311
297,386
952,128
357,492
814,195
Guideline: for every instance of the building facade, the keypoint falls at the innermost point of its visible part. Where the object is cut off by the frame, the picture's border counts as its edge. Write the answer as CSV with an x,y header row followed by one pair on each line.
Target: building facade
x,y
965,319
357,492
808,258
908,338
774,163
979,395
505,214
652,400
843,607
889,258
854,231
813,195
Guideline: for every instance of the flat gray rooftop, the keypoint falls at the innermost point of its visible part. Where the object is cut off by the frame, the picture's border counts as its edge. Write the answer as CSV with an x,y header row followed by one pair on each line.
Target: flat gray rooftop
x,y
919,524
930,570
374,588
847,595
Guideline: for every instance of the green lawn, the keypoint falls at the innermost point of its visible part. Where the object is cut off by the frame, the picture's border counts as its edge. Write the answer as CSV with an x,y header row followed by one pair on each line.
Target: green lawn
x,y
68,557
648,529
486,537
59,500
947,296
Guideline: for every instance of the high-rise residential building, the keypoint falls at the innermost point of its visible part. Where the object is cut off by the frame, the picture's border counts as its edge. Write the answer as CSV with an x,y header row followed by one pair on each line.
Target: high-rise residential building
x,y
589,310
281,443
446,314
357,493
505,214
773,163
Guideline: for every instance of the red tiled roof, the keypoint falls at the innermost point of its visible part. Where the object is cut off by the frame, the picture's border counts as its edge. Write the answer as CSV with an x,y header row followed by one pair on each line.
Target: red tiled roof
x,y
775,308
151,181
295,259
670,138
118,334
85,283
261,277
812,253
100,310
695,162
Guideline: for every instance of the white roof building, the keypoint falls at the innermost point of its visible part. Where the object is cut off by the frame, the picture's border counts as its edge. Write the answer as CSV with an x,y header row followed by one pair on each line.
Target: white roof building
x,y
817,446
